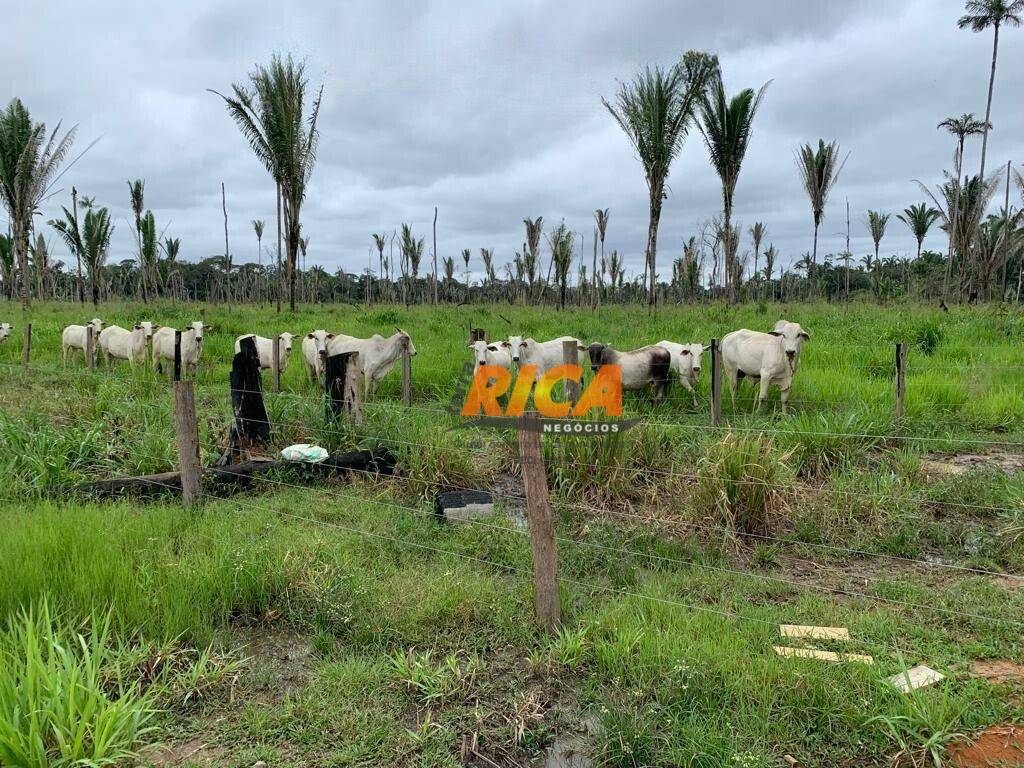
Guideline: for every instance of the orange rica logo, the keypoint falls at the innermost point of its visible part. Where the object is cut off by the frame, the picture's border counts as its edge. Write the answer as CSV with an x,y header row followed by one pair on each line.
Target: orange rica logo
x,y
492,381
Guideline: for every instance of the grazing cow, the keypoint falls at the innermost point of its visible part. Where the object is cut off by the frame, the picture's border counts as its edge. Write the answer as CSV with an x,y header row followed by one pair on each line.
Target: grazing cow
x,y
265,349
5,331
377,355
686,362
191,347
121,344
314,352
769,358
486,353
648,366
73,338
544,354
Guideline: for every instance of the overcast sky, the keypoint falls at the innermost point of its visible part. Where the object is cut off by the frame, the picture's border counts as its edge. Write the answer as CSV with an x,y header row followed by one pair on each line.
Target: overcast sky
x,y
492,112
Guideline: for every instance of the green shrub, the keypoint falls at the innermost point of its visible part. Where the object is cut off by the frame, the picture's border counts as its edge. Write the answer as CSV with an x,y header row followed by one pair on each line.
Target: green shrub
x,y
741,481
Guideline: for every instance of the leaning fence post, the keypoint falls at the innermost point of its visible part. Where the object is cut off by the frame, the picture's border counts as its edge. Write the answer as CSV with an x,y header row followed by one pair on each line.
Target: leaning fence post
x,y
26,344
716,383
177,355
542,526
90,348
901,382
571,356
275,361
186,429
406,373
353,382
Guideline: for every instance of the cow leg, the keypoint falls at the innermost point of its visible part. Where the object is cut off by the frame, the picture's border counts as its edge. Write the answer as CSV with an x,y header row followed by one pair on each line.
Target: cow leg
x,y
64,357
763,394
732,379
784,398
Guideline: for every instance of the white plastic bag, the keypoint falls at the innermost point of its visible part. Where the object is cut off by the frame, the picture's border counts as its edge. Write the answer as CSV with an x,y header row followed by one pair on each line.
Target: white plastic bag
x,y
313,454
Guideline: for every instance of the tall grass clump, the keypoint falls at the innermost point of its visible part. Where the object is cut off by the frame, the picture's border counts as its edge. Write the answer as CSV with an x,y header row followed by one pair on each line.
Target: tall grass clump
x,y
38,457
741,482
57,705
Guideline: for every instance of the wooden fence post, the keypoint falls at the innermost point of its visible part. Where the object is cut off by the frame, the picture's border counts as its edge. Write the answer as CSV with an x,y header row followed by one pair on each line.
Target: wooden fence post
x,y
90,347
571,356
542,525
716,383
26,344
477,334
186,428
177,355
353,387
275,362
901,382
406,374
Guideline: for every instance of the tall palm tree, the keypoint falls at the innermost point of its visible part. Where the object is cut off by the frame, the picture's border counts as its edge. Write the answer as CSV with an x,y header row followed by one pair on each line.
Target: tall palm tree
x,y
876,222
29,163
412,253
726,125
92,241
757,232
137,200
655,111
258,225
770,254
819,171
466,255
561,242
601,219
531,251
982,14
961,127
272,115
919,218
148,249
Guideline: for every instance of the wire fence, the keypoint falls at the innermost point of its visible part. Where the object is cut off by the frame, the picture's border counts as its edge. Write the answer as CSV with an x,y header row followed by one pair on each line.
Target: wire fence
x,y
396,435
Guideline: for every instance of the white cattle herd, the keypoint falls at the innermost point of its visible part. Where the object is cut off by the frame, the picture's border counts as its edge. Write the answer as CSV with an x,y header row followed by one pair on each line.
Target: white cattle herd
x,y
766,359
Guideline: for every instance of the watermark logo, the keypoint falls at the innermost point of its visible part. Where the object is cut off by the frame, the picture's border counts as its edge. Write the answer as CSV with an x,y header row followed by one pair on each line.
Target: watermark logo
x,y
492,396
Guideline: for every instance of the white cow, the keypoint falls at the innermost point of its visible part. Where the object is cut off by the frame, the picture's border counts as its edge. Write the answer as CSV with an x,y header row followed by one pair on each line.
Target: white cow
x,y
314,351
73,338
5,331
486,353
121,344
265,349
769,358
191,347
686,362
377,355
544,354
648,366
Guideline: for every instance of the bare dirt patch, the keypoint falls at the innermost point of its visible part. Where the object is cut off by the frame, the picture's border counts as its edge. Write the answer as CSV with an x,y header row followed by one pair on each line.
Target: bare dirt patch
x,y
1000,745
998,671
961,463
196,752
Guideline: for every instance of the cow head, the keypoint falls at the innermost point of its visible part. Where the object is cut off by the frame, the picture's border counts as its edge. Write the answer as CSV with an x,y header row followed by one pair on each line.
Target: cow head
x,y
791,338
690,368
286,341
320,339
515,346
5,331
482,348
97,324
408,340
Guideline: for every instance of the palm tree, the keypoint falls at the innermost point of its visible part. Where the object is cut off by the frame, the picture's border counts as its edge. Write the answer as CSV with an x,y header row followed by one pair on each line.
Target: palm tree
x,y
819,171
379,241
29,160
466,254
92,241
412,253
961,127
655,111
561,242
982,14
770,254
601,219
757,232
487,257
531,250
258,225
137,199
876,222
726,125
148,248
919,218
271,114
449,274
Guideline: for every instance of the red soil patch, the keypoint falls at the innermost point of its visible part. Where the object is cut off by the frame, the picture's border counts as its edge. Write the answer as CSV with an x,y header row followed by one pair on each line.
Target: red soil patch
x,y
996,671
1000,745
